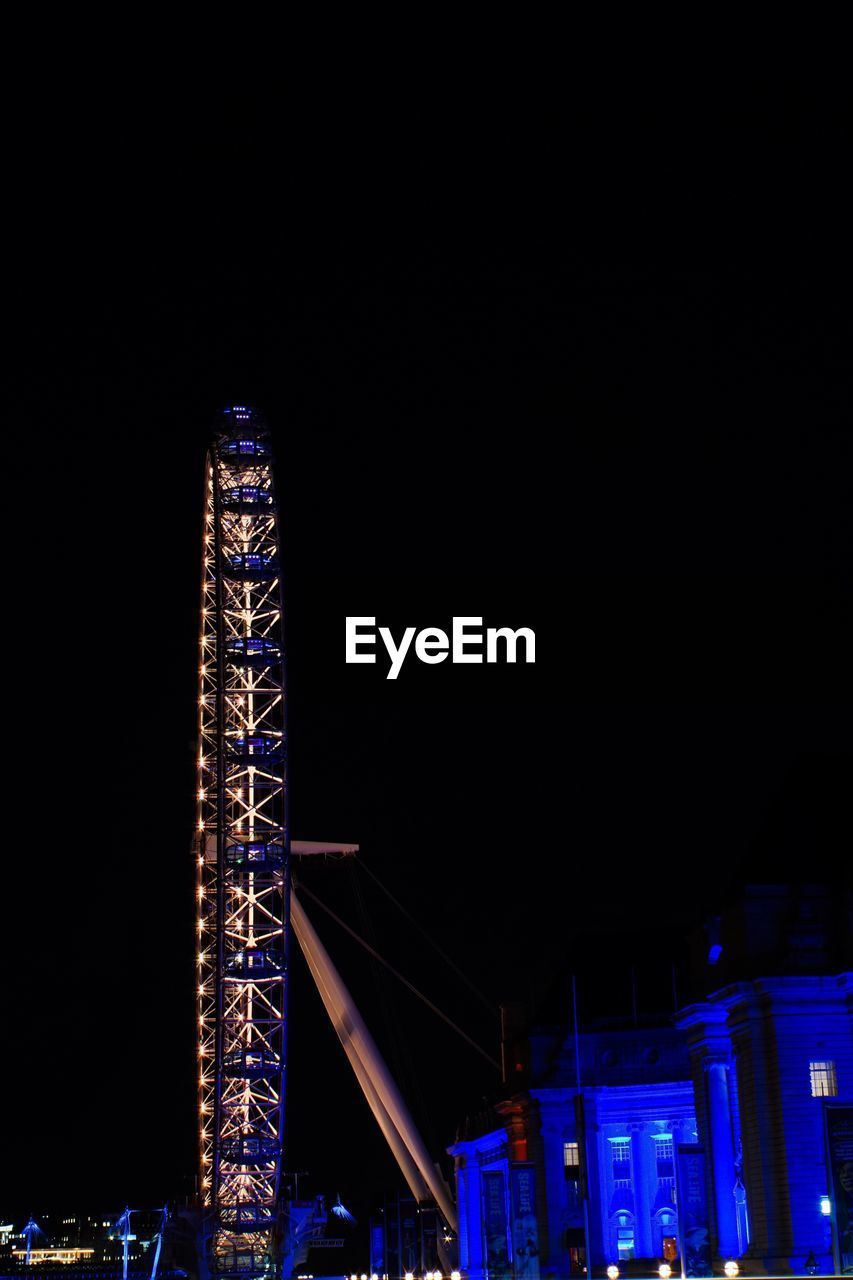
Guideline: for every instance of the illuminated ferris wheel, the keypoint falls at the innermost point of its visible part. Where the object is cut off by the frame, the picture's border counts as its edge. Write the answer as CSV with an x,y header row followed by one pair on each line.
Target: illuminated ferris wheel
x,y
243,855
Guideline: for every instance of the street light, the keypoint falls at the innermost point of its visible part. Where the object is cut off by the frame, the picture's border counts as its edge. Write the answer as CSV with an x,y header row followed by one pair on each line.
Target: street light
x,y
732,1269
664,1271
612,1272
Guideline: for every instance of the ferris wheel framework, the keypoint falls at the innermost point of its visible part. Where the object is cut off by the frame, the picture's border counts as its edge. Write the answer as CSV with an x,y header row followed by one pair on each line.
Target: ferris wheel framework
x,y
242,854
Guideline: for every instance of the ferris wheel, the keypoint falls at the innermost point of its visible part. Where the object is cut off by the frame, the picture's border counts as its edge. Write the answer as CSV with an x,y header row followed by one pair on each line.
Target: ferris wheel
x,y
245,901
242,854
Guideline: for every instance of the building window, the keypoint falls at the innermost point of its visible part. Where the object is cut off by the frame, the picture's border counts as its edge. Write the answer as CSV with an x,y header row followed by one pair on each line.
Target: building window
x,y
572,1170
620,1154
664,1156
666,1188
625,1242
664,1228
823,1081
577,1261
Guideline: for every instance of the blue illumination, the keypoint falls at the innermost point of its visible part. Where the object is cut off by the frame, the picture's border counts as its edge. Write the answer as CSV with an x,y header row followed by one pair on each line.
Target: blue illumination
x,y
258,744
253,964
721,1108
249,496
251,1150
250,564
340,1211
256,856
30,1230
634,1126
253,649
251,1064
244,448
810,1019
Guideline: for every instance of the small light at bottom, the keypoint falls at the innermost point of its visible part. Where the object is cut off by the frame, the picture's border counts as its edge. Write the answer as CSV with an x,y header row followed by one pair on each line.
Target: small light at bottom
x,y
612,1272
825,1206
732,1269
664,1271
455,1275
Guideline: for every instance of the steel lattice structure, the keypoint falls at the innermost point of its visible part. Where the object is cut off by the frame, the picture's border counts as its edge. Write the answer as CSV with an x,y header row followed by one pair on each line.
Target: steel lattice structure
x,y
243,854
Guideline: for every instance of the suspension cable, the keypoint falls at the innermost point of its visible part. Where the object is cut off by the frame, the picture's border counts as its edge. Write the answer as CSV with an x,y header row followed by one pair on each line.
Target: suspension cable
x,y
400,1057
303,889
445,957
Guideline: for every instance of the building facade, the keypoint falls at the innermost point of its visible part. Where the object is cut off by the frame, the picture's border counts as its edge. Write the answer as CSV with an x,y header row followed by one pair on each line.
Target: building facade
x,y
768,1058
615,1138
723,1136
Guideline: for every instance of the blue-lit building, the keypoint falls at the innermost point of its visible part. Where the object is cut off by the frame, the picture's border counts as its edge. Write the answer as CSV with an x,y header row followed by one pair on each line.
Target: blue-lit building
x,y
723,1133
638,1108
768,1057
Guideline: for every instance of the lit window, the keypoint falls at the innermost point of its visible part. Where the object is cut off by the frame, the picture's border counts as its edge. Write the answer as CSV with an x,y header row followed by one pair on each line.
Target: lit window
x,y
824,1083
620,1154
572,1166
664,1156
625,1243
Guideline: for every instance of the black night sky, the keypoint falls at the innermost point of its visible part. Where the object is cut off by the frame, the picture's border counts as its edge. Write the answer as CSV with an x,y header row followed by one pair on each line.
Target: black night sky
x,y
578,366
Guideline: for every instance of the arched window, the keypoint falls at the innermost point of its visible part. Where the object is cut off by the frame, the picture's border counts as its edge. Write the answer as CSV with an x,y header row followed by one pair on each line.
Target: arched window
x,y
622,1235
666,1234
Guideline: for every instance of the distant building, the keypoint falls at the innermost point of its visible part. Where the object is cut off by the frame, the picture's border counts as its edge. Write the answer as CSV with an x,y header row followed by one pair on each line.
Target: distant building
x,y
80,1243
66,1256
723,1135
407,1237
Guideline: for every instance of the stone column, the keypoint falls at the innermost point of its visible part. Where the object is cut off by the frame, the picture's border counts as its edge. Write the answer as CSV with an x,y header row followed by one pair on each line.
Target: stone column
x,y
722,1156
709,1039
552,1247
640,1144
